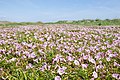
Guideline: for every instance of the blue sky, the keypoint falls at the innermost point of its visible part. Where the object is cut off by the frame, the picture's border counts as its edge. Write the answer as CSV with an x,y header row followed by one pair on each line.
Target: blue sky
x,y
54,10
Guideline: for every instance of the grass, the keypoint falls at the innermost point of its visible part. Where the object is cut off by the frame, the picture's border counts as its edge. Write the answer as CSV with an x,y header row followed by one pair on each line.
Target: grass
x,y
15,24
85,22
89,22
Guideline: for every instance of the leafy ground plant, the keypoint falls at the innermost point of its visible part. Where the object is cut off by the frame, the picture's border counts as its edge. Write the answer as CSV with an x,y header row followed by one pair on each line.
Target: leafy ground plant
x,y
60,52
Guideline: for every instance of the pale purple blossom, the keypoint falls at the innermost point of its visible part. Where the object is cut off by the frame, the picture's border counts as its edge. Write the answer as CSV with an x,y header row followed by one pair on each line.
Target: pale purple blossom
x,y
61,71
116,64
85,57
116,76
76,62
41,39
44,67
84,66
23,57
57,78
0,55
18,53
90,59
29,66
12,60
99,67
70,58
92,79
113,55
108,59
80,49
95,75
32,55
99,55
58,58
36,60
41,51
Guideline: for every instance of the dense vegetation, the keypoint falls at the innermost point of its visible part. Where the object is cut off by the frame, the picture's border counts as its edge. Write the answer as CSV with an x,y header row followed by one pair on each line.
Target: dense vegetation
x,y
60,52
89,22
85,22
15,24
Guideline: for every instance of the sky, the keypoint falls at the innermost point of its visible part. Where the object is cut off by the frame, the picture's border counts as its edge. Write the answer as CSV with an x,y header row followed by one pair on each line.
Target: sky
x,y
55,10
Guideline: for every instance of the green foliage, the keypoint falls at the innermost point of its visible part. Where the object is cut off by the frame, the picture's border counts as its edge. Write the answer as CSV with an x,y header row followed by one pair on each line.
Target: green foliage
x,y
89,22
15,24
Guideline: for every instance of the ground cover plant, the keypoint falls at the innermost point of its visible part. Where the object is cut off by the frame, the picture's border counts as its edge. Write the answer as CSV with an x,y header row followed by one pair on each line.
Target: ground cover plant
x,y
60,52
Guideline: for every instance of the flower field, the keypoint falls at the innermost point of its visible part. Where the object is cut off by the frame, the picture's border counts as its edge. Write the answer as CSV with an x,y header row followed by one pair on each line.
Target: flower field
x,y
60,52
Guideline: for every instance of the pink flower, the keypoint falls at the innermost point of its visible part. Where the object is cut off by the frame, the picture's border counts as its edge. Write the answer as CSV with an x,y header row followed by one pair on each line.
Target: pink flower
x,y
113,55
0,55
84,66
116,76
70,58
90,59
23,57
58,58
44,67
35,60
48,38
57,78
32,55
95,75
109,51
99,67
99,55
85,57
103,47
40,51
76,62
41,39
92,79
61,71
87,50
29,66
100,62
24,43
108,59
12,60
29,45
116,64
17,53
80,49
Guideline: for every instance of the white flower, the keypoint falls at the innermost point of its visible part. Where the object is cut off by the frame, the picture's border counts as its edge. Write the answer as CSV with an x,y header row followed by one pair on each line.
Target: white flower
x,y
76,62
